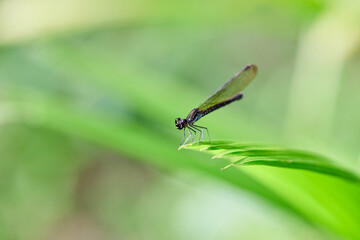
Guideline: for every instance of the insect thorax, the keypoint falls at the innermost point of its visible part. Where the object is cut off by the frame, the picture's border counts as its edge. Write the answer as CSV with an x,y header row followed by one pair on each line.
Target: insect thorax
x,y
193,116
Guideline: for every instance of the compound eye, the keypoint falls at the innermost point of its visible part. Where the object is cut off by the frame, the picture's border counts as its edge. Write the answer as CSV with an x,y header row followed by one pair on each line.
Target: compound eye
x,y
179,123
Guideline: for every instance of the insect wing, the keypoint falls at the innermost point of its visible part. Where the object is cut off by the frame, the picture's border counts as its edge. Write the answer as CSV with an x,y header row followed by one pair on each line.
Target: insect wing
x,y
234,86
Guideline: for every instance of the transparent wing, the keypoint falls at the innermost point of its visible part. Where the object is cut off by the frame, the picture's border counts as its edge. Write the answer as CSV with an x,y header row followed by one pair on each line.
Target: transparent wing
x,y
234,86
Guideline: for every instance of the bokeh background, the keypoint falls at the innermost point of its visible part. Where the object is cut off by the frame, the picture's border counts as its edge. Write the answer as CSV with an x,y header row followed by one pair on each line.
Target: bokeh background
x,y
89,91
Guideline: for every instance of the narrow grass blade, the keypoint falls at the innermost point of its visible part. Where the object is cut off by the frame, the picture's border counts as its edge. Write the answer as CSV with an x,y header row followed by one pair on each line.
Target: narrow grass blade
x,y
246,154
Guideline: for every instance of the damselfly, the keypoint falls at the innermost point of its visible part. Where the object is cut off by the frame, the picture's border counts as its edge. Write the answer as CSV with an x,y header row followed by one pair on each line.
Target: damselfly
x,y
230,92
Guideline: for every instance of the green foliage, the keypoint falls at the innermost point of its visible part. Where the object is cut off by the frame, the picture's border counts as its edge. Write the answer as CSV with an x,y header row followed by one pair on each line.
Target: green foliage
x,y
87,118
245,154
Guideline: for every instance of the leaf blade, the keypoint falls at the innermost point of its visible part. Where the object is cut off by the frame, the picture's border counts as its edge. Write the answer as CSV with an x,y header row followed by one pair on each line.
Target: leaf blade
x,y
255,154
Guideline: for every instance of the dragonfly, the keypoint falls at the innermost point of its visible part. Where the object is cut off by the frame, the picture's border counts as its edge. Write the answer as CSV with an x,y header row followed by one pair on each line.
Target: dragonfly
x,y
228,93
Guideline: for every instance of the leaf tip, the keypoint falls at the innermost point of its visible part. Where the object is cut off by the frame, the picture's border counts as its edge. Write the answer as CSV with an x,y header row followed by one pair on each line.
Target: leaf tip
x,y
227,166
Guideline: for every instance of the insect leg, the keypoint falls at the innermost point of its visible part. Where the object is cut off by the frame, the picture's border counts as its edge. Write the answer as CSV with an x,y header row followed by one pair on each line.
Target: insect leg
x,y
192,141
201,133
205,129
182,140
187,137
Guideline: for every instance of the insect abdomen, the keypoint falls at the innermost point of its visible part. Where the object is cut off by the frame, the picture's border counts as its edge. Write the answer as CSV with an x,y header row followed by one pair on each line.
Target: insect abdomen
x,y
221,104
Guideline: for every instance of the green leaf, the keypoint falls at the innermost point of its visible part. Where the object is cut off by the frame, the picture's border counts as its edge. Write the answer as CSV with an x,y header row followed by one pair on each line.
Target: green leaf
x,y
245,154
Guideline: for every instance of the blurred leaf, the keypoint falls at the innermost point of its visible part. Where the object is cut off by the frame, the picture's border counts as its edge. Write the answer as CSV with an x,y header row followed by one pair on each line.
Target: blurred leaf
x,y
108,88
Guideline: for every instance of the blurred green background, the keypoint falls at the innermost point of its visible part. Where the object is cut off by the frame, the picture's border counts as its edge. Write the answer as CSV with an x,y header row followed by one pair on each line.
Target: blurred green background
x,y
89,91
